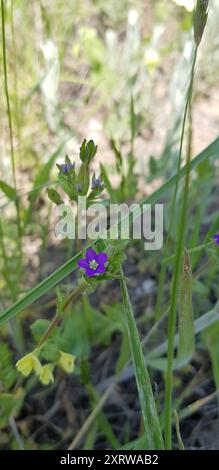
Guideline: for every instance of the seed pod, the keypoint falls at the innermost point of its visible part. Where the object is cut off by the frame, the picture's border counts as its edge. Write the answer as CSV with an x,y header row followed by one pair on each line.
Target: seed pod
x,y
200,19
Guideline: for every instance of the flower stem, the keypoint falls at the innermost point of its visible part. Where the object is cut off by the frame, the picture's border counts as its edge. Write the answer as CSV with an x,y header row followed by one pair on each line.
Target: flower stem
x,y
162,276
75,295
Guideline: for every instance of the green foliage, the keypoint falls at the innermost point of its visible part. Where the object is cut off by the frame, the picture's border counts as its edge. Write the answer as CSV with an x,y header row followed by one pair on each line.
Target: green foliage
x,y
38,328
8,374
103,74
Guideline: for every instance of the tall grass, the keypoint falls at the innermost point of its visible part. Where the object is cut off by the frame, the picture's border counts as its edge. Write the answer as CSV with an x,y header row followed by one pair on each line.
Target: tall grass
x,y
5,69
153,435
199,22
178,263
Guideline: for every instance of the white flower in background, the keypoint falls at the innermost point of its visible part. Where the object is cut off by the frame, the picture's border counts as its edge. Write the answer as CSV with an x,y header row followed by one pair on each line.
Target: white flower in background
x,y
50,84
188,4
132,17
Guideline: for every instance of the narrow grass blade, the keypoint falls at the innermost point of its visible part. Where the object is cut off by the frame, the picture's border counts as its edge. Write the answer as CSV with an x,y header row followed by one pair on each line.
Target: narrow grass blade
x,y
107,182
179,439
210,337
40,289
200,324
148,406
186,323
8,190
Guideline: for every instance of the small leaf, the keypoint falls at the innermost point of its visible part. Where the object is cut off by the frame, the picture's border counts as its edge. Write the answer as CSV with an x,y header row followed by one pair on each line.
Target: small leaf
x,y
38,328
8,373
210,337
50,351
8,190
54,196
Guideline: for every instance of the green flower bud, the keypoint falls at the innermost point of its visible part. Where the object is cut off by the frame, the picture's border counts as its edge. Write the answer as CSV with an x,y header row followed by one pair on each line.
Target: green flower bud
x,y
88,151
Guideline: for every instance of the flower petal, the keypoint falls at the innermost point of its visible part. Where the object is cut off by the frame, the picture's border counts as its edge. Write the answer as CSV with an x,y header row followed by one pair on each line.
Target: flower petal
x,y
66,362
102,258
91,255
83,263
100,269
216,238
90,272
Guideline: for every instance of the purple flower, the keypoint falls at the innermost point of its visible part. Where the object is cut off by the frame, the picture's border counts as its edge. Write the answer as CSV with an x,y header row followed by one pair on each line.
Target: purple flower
x,y
93,263
96,183
216,238
79,187
66,167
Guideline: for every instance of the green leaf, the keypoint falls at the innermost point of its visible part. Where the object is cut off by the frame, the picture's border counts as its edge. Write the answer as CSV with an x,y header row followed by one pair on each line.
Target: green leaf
x,y
147,402
8,190
54,196
67,185
186,323
38,328
8,373
50,351
210,337
9,403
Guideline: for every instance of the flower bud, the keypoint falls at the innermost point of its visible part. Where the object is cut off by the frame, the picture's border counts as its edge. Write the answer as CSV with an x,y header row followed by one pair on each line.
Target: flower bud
x,y
88,151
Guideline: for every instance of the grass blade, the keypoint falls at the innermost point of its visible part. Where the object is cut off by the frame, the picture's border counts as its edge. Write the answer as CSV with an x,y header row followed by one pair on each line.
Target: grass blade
x,y
200,324
186,323
8,190
40,289
148,406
